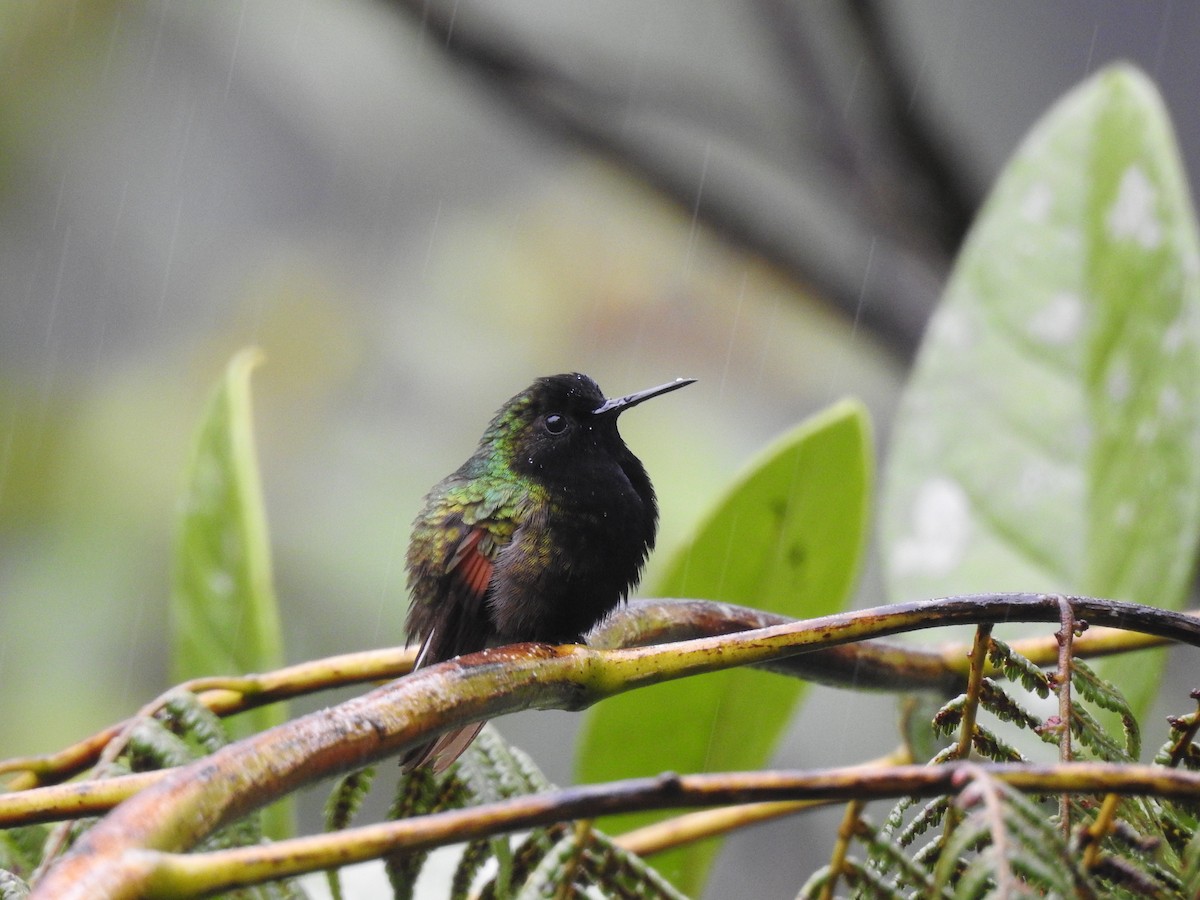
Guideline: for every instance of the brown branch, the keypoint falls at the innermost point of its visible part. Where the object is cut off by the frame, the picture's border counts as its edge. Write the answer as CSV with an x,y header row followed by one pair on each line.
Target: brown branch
x,y
871,665
866,665
223,696
171,874
194,800
691,827
1065,637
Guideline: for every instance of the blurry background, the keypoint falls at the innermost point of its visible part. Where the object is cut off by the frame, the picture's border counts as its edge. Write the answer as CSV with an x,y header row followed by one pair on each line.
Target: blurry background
x,y
415,210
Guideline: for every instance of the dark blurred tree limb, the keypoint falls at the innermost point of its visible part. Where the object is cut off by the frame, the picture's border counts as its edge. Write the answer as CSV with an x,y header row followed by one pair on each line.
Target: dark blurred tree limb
x,y
867,218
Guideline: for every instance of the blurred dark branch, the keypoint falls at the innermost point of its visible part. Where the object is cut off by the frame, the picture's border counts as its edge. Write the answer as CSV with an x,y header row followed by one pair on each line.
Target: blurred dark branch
x,y
905,183
883,276
925,156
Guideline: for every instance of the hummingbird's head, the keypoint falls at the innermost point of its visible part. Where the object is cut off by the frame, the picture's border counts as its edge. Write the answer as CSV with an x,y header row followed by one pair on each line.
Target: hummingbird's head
x,y
560,422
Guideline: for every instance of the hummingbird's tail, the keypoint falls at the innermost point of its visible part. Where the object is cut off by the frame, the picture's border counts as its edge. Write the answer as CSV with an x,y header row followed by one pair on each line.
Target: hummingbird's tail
x,y
446,748
442,751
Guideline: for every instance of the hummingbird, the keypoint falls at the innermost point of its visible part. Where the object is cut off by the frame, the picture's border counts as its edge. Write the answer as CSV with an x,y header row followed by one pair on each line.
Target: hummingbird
x,y
536,537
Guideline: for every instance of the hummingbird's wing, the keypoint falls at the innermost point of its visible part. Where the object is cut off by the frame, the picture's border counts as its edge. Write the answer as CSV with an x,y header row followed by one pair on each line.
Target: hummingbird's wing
x,y
453,618
457,624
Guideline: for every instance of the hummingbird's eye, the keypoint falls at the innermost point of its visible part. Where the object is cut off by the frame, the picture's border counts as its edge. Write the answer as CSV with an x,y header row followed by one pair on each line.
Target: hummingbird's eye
x,y
556,424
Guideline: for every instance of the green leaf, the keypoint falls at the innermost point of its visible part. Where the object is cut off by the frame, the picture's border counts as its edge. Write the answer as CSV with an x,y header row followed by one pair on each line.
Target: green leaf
x,y
787,537
225,620
1048,437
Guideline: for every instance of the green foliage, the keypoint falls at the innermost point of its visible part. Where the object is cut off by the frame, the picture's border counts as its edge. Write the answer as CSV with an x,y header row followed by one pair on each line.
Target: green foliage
x,y
787,537
534,866
582,857
340,809
1047,437
417,792
180,731
225,619
20,853
12,887
1047,441
225,616
989,840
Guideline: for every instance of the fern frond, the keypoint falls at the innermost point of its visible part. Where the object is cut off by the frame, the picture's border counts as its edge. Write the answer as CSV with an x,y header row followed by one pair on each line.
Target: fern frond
x,y
1095,690
1091,734
619,873
21,848
184,714
996,700
885,855
525,859
1018,669
869,884
558,869
991,746
341,807
932,814
416,793
347,798
153,746
12,887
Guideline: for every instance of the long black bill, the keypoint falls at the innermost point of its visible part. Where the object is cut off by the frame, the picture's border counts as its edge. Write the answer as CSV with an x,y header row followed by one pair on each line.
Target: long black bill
x,y
618,404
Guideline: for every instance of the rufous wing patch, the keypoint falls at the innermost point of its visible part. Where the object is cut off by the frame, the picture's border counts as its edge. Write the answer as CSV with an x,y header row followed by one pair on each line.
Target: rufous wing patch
x,y
472,563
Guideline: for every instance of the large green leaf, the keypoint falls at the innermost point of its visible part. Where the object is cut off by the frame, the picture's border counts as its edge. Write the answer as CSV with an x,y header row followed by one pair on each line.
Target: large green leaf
x,y
1048,438
225,616
787,538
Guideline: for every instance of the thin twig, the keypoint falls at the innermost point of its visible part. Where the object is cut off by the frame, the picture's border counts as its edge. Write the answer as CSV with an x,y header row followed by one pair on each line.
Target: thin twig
x,y
158,874
688,828
966,727
1188,727
978,657
1065,637
1099,829
845,834
223,696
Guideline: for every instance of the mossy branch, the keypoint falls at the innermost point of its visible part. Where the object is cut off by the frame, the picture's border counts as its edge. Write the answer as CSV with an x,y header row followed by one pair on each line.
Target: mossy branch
x,y
190,802
867,665
166,874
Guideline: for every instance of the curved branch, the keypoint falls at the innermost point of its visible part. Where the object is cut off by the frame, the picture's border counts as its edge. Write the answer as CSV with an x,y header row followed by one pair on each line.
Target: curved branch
x,y
193,801
172,874
222,696
867,665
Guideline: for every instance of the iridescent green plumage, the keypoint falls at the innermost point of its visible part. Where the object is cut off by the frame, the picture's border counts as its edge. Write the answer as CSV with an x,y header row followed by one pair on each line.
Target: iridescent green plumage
x,y
540,533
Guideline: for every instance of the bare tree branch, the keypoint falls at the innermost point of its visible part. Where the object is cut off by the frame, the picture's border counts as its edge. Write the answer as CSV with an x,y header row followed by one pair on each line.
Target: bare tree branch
x,y
193,801
173,874
886,285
